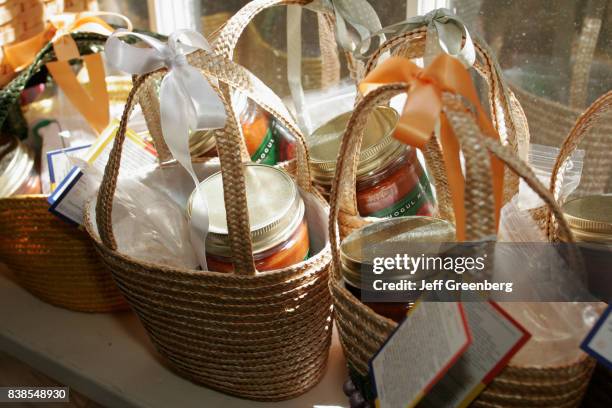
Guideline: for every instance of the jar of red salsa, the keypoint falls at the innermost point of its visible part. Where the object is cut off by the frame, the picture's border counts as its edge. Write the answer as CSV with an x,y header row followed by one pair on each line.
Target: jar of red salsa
x,y
279,231
267,141
390,179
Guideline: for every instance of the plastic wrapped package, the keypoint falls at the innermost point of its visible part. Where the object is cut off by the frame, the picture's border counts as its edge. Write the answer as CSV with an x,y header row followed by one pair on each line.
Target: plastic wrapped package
x,y
557,328
55,123
149,223
321,106
542,160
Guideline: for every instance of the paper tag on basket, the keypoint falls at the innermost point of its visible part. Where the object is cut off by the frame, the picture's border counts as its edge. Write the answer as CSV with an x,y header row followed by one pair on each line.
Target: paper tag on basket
x,y
598,343
496,337
422,349
69,198
60,162
443,373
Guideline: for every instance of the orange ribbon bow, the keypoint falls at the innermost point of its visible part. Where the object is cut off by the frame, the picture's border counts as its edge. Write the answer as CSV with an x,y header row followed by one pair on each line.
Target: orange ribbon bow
x,y
93,103
422,111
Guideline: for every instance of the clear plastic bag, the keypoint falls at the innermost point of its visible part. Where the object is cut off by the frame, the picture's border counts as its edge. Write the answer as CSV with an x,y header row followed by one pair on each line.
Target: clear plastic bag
x,y
322,106
148,224
557,328
542,160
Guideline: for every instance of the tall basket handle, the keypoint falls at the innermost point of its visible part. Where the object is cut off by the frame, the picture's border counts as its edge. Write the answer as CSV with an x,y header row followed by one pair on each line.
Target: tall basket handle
x,y
506,112
228,143
342,196
226,38
589,118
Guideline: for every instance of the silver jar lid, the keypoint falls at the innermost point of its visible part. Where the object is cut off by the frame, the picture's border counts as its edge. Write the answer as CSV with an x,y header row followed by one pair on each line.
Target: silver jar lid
x,y
275,208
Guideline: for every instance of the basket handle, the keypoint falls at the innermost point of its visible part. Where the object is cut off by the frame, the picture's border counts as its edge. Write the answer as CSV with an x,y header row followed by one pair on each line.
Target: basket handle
x,y
478,199
506,113
584,52
589,118
226,38
11,92
228,142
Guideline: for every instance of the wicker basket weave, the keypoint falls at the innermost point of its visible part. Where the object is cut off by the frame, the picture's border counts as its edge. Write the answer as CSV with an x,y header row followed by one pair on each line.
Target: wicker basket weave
x,y
262,336
551,121
52,259
362,331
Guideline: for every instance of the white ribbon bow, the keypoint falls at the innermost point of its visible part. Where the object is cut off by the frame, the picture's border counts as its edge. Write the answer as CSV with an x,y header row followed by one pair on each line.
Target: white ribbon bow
x,y
187,103
445,32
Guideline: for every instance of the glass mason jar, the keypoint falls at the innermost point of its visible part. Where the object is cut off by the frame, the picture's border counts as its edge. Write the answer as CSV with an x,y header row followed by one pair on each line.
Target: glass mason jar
x,y
279,231
267,141
590,220
18,173
390,179
387,239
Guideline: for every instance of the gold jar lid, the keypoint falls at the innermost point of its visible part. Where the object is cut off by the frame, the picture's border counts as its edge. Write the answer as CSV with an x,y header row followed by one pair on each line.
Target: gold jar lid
x,y
590,217
275,208
118,87
201,142
386,238
377,148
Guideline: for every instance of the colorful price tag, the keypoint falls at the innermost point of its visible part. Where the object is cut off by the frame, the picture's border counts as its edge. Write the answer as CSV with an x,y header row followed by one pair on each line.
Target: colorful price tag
x,y
60,162
444,354
418,354
496,337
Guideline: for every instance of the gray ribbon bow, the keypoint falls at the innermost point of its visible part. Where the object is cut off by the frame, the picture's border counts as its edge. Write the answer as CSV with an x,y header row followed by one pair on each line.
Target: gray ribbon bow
x,y
445,32
356,21
187,103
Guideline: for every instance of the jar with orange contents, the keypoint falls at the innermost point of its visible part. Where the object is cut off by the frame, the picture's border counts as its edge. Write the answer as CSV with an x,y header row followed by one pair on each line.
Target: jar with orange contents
x,y
390,179
267,141
279,231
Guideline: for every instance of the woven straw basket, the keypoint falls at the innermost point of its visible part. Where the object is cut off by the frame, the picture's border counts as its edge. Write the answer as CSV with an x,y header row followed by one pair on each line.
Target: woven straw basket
x,y
50,258
262,336
585,128
507,115
362,331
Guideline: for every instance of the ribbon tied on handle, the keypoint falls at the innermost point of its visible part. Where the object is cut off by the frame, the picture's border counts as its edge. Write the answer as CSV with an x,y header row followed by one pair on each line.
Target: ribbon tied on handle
x,y
445,32
94,103
423,110
188,102
18,56
356,21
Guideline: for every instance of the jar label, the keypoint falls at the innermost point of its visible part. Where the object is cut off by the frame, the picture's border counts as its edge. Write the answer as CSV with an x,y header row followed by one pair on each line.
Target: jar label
x,y
416,202
267,151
